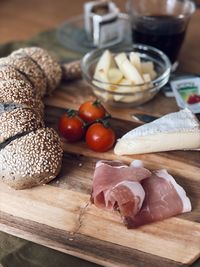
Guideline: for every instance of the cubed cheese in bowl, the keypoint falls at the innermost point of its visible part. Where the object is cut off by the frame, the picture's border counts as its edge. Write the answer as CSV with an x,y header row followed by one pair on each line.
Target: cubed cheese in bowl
x,y
127,76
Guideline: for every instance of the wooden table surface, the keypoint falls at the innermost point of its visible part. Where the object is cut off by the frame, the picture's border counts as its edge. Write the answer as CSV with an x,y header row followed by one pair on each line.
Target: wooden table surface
x,y
21,19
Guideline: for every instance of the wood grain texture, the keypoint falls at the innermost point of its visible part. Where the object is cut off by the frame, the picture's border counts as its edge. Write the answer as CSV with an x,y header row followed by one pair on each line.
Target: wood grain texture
x,y
95,250
73,213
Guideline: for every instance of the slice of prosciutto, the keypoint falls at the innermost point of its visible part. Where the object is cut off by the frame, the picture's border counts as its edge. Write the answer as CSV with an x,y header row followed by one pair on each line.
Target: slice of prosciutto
x,y
164,198
140,196
116,185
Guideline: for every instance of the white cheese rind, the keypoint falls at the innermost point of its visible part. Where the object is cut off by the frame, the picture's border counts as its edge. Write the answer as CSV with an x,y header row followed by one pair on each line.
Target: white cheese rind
x,y
182,121
175,131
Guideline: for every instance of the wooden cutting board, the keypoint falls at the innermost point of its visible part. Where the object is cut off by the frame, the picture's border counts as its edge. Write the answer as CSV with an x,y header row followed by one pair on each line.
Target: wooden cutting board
x,y
59,215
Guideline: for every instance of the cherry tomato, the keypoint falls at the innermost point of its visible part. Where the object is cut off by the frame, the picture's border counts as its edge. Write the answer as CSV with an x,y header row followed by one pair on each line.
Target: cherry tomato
x,y
71,127
91,111
99,137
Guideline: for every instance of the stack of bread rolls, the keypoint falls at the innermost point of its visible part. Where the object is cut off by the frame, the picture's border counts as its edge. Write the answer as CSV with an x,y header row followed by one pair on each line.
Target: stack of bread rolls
x,y
30,153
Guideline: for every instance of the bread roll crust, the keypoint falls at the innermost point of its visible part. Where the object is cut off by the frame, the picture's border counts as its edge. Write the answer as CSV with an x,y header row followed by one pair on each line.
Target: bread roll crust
x,y
18,121
20,93
32,159
28,68
48,64
10,72
29,153
12,90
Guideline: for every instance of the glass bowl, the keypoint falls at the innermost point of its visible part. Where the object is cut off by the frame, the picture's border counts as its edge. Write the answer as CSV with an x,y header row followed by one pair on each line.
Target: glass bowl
x,y
127,95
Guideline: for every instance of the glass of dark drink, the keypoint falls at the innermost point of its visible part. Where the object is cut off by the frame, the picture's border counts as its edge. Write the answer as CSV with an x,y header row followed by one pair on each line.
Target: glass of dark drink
x,y
160,23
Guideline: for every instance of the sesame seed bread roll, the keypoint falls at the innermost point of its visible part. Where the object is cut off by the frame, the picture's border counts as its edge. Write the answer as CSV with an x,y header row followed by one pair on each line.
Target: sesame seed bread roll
x,y
19,93
28,68
32,159
18,121
8,107
48,64
10,72
20,53
71,70
36,105
16,89
29,153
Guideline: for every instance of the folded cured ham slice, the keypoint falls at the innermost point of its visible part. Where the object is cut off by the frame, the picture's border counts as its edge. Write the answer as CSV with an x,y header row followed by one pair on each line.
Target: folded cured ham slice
x,y
140,196
127,197
164,198
116,184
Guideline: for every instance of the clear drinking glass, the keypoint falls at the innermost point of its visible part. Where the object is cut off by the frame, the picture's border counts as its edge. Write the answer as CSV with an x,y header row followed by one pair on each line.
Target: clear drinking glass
x,y
160,23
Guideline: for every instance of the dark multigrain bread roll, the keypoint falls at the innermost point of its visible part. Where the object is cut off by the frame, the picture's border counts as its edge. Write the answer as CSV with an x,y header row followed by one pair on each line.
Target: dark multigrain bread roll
x,y
32,159
47,63
19,121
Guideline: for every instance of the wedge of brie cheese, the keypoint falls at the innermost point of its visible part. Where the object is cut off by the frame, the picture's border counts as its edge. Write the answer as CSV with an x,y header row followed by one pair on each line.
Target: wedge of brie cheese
x,y
175,131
